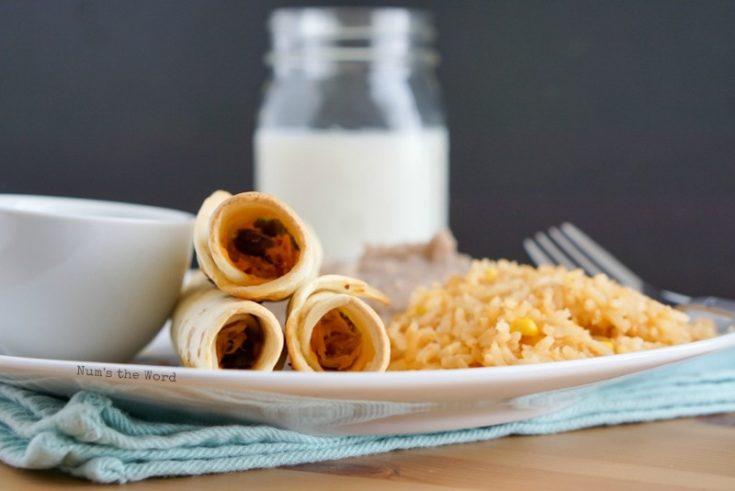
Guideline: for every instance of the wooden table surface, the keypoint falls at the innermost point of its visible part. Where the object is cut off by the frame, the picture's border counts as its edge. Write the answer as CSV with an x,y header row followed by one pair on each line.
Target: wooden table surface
x,y
694,453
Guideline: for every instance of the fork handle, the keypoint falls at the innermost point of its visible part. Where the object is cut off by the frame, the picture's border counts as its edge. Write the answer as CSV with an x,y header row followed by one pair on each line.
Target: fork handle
x,y
715,303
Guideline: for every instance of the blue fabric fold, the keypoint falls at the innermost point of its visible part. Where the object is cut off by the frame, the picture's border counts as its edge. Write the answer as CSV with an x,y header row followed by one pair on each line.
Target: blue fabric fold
x,y
87,436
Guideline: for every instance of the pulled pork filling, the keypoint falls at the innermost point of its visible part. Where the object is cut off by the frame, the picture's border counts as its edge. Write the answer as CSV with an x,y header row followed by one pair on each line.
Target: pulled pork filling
x,y
264,249
336,341
240,343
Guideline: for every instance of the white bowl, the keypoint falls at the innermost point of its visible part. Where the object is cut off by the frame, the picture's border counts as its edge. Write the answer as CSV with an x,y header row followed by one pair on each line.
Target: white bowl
x,y
87,280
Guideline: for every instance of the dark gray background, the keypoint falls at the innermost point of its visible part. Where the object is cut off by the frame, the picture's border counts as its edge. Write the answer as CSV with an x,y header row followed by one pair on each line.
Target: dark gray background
x,y
618,116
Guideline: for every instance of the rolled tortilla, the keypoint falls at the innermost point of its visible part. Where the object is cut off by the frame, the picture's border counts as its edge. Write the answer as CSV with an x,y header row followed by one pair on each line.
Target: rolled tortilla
x,y
210,329
328,328
253,246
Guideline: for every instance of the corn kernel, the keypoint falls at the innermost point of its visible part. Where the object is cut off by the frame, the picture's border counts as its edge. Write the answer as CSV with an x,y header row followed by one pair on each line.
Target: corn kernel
x,y
419,310
524,325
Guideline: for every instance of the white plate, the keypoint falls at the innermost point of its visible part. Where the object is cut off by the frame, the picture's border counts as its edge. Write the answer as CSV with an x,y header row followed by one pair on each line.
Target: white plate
x,y
344,403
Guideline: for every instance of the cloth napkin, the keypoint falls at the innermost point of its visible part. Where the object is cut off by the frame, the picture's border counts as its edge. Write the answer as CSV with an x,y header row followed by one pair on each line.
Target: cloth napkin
x,y
87,436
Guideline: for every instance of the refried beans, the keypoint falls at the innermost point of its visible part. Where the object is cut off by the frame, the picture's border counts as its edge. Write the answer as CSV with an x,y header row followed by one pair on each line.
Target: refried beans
x,y
399,270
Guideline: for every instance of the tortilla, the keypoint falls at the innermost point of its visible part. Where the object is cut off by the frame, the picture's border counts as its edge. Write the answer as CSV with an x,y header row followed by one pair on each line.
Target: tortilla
x,y
210,329
329,328
255,247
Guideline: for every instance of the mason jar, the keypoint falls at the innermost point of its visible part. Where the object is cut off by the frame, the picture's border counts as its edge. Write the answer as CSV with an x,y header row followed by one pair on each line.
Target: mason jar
x,y
351,131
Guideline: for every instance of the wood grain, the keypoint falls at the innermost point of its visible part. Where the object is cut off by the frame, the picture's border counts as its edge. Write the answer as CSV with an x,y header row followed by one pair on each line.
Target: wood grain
x,y
695,453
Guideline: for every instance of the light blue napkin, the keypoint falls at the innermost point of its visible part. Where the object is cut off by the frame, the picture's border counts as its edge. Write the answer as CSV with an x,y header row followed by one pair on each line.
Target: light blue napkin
x,y
87,436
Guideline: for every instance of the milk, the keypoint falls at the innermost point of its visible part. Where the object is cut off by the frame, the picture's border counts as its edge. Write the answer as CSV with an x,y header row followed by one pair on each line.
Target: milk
x,y
356,187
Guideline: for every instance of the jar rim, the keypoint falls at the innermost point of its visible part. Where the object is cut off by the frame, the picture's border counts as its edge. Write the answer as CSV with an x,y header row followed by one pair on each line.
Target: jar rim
x,y
351,34
352,23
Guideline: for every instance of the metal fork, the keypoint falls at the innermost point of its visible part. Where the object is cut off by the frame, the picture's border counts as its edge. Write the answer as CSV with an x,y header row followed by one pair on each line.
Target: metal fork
x,y
566,245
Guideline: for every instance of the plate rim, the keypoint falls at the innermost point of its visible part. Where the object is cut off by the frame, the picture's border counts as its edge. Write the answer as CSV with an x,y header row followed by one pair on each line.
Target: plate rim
x,y
374,380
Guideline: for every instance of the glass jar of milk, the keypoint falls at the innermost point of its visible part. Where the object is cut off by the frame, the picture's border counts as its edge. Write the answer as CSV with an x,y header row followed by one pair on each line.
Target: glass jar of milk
x,y
351,132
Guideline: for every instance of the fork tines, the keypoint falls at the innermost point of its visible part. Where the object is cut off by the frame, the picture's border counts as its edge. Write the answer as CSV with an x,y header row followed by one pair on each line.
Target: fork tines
x,y
566,245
